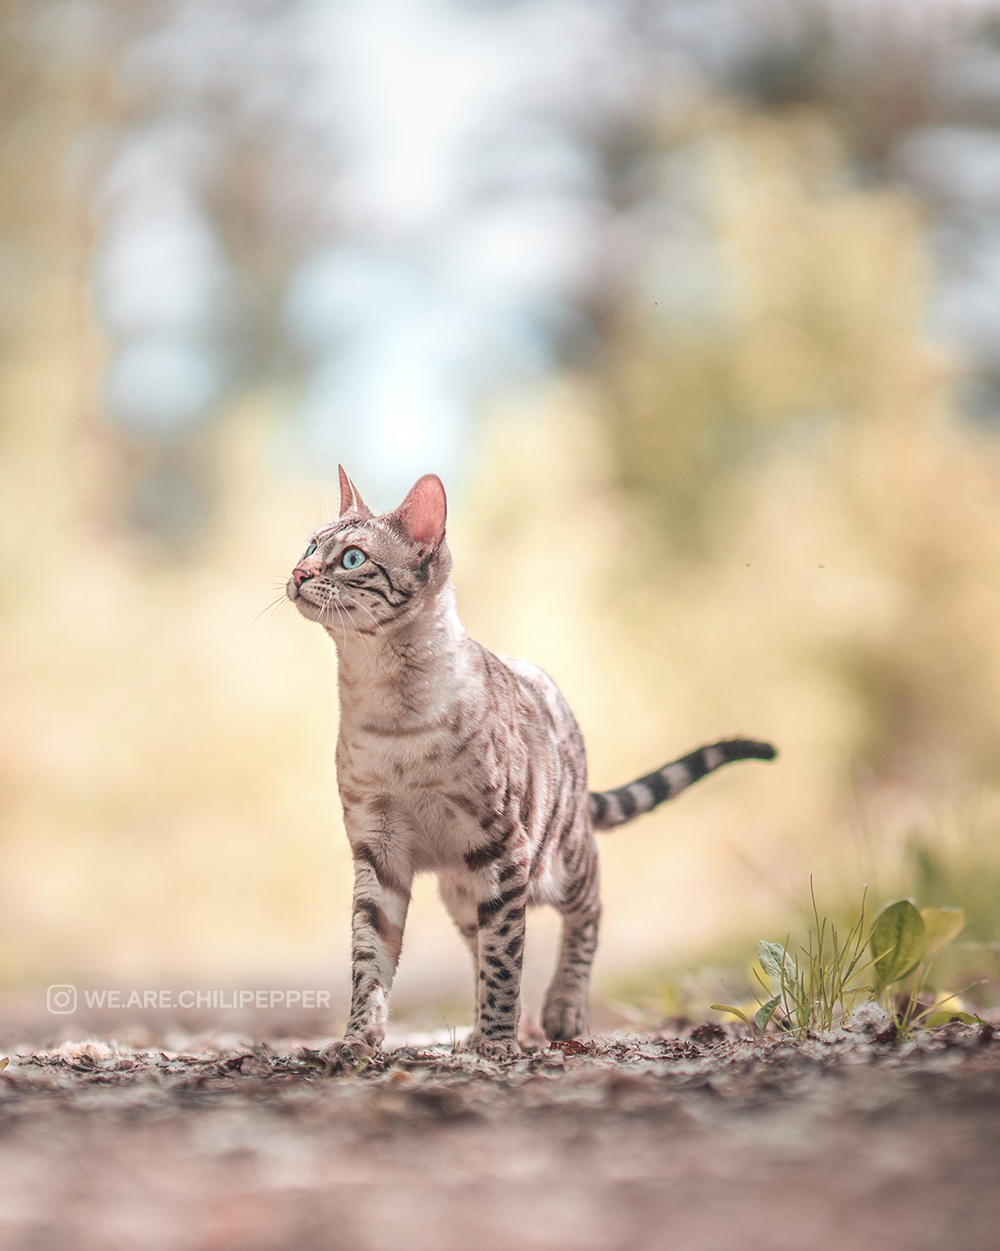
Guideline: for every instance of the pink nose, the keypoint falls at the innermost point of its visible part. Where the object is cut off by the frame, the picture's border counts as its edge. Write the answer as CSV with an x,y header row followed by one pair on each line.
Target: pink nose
x,y
301,575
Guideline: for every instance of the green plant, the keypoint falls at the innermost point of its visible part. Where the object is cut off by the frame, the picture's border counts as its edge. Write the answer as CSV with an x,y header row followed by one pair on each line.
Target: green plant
x,y
452,1031
828,977
904,942
812,992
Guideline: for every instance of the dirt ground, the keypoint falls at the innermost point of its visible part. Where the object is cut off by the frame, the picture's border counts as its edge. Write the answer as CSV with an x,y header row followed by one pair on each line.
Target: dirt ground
x,y
623,1143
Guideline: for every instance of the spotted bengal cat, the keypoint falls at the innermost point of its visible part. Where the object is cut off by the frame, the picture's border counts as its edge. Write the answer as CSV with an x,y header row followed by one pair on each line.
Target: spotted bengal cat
x,y
453,760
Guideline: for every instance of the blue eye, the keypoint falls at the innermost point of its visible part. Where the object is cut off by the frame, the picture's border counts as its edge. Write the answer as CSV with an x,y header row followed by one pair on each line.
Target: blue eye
x,y
309,550
353,557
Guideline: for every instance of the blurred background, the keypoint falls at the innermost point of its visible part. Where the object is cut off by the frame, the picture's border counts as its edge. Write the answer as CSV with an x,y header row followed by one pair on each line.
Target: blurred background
x,y
696,302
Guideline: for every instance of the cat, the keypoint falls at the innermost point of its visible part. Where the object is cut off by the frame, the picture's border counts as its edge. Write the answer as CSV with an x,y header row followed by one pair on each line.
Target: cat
x,y
466,764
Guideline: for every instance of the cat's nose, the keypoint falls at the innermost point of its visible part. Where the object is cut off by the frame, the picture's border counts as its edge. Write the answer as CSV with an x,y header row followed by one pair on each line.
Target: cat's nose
x,y
301,575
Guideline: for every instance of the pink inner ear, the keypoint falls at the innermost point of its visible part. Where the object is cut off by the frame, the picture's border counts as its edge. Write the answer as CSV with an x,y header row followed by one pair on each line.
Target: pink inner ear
x,y
424,511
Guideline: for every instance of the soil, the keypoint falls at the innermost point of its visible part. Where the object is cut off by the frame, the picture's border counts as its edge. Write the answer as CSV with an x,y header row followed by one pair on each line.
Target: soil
x,y
621,1143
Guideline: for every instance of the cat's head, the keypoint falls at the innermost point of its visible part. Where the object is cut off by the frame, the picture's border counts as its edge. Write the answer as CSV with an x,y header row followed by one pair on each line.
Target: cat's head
x,y
361,573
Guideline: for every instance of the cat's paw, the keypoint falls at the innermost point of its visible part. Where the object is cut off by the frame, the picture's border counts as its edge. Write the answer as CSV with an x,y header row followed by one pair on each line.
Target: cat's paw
x,y
495,1048
562,1020
346,1054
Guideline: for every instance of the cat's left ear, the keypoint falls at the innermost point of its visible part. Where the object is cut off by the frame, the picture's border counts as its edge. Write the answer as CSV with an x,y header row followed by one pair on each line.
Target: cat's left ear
x,y
350,497
422,515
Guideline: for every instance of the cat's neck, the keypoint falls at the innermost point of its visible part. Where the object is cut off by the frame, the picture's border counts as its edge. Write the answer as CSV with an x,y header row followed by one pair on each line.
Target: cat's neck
x,y
406,674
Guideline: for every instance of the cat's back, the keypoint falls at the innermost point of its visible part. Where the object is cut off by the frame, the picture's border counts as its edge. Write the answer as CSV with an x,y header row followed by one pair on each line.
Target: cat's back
x,y
543,692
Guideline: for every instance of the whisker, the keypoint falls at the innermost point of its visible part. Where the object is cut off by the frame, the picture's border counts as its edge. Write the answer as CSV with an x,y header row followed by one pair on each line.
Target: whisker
x,y
343,621
365,608
311,524
378,497
343,618
269,609
366,639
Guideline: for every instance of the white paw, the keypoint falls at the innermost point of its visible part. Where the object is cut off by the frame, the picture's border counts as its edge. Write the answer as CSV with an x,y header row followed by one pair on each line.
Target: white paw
x,y
346,1054
562,1020
495,1048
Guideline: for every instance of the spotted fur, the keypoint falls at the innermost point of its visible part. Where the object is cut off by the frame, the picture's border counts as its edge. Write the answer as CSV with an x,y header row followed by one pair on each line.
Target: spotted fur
x,y
458,762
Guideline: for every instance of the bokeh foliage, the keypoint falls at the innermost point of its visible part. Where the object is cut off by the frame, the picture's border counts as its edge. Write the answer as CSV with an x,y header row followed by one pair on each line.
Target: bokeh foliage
x,y
813,350
816,290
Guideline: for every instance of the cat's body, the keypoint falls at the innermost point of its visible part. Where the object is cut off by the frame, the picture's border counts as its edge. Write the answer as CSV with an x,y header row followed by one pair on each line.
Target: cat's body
x,y
458,762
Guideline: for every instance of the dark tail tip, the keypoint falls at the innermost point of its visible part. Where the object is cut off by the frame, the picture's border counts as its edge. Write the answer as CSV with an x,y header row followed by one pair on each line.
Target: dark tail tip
x,y
747,749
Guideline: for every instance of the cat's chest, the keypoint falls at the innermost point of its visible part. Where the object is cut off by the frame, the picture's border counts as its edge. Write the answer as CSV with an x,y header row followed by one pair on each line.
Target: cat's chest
x,y
449,785
415,756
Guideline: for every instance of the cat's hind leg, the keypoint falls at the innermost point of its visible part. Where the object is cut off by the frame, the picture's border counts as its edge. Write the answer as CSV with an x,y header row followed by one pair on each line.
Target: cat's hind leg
x,y
564,1013
461,905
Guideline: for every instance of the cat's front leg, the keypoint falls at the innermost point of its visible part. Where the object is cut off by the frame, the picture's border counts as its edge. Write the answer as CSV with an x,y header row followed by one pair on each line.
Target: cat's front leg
x,y
381,900
500,949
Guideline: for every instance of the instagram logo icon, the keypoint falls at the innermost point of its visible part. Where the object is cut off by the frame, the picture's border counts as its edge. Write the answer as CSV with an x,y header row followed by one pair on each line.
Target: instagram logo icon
x,y
61,999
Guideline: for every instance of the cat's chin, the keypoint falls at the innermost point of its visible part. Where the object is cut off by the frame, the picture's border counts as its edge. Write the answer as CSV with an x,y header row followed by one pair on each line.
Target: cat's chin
x,y
327,617
312,611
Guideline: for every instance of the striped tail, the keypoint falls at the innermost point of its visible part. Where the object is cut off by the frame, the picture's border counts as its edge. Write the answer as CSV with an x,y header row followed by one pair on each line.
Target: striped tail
x,y
611,808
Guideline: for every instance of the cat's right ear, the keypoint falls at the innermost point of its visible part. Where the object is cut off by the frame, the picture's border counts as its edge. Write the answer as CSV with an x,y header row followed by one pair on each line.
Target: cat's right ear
x,y
350,497
422,515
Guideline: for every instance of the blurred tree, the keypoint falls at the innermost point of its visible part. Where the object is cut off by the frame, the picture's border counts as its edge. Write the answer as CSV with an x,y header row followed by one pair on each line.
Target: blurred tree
x,y
775,295
781,312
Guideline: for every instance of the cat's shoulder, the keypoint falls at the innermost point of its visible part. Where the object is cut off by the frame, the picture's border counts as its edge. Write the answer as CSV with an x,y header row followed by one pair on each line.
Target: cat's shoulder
x,y
531,678
534,676
527,670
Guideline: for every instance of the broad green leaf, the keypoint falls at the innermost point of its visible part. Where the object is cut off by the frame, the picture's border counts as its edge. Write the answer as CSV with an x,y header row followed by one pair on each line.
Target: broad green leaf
x,y
774,958
942,924
944,1018
898,942
771,957
725,1007
765,1012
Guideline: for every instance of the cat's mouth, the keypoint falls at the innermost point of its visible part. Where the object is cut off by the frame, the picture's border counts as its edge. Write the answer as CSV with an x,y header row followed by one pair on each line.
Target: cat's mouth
x,y
302,602
317,603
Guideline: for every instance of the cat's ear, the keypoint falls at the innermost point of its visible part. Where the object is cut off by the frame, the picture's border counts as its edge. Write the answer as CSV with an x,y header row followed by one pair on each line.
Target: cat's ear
x,y
422,515
350,497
